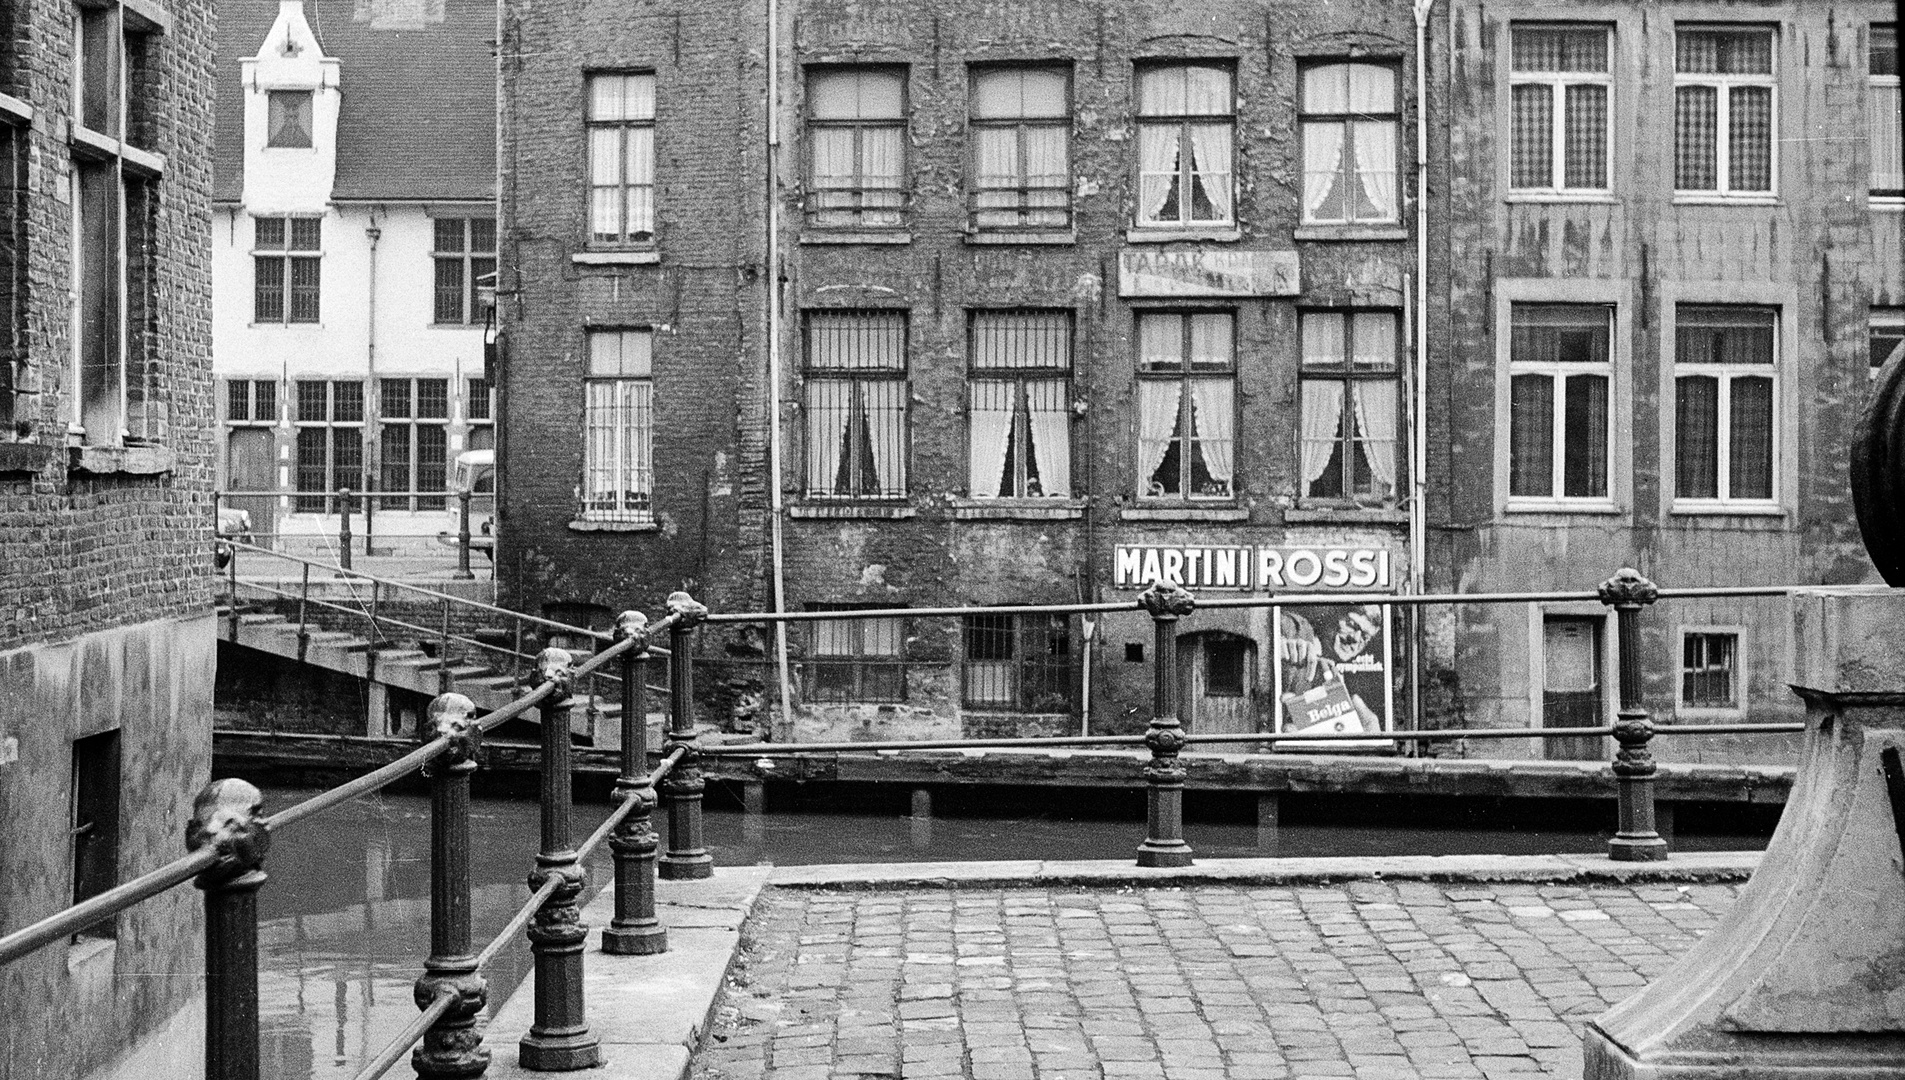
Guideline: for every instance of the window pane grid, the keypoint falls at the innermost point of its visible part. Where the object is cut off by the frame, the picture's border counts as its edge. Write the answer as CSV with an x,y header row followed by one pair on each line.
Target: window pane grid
x,y
621,139
855,660
1709,670
1725,111
618,428
1559,108
1725,405
1882,102
1559,417
1349,126
1016,663
1187,418
1349,404
1185,145
856,119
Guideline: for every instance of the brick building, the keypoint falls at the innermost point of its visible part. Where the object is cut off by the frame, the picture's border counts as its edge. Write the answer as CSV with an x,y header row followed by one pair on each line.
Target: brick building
x,y
106,633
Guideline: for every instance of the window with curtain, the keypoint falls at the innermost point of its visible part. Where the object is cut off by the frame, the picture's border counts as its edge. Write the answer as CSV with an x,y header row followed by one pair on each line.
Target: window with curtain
x,y
855,397
1710,669
288,118
618,427
1882,103
855,660
1350,401
1021,157
1723,110
1559,377
1725,404
1016,663
1187,411
856,147
287,258
621,129
1349,122
1560,82
329,419
1020,409
1885,327
413,427
1186,159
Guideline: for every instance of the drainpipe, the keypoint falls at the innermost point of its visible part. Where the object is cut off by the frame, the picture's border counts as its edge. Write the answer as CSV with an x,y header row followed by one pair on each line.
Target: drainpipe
x,y
1418,503
775,508
373,234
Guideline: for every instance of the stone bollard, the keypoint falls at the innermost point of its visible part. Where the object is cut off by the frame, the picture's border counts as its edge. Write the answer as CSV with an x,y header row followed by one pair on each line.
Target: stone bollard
x,y
1164,843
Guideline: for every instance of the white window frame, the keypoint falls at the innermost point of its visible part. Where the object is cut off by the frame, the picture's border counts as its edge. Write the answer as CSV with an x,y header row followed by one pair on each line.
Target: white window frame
x,y
1740,672
1558,83
1019,380
1558,422
1875,83
1308,117
1185,221
627,235
1723,84
1723,428
630,392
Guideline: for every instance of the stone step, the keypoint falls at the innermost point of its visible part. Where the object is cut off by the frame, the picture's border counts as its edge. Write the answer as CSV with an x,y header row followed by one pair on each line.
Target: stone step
x,y
263,620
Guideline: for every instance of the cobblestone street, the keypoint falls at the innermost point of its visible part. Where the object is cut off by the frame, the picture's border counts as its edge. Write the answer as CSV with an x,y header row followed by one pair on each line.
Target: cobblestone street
x,y
1371,980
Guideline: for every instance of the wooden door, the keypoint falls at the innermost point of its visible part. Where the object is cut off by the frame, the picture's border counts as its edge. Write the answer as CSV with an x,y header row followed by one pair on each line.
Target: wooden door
x,y
251,465
1571,686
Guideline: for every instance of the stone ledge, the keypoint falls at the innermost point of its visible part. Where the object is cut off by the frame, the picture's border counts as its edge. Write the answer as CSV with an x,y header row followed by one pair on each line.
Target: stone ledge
x,y
25,457
585,525
643,257
851,510
1018,509
1184,513
126,460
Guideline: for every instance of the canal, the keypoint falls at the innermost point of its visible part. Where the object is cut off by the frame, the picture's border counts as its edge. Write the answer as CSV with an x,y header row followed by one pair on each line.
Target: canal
x,y
345,914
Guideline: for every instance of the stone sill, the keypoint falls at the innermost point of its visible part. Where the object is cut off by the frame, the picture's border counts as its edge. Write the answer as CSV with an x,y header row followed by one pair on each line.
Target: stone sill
x,y
1018,509
1184,513
1562,509
849,237
819,511
25,457
1352,232
13,107
125,460
1218,235
647,257
1345,515
1726,200
1054,238
1590,198
585,525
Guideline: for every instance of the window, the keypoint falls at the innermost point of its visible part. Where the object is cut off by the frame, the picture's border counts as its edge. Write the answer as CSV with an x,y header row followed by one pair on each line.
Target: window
x,y
479,412
465,258
1226,662
855,660
1561,81
1887,330
1888,163
1021,404
286,258
1724,112
1724,396
251,401
330,441
1710,670
1349,145
1186,127
618,459
856,404
621,123
856,138
16,412
1021,154
1187,386
1017,663
413,418
1559,375
1351,402
288,119
95,822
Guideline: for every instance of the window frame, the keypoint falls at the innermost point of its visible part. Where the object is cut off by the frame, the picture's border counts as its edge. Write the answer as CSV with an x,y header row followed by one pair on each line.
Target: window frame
x,y
303,497
626,239
272,98
1740,673
813,377
1031,677
1020,125
630,460
1305,118
1878,318
466,260
857,663
1557,499
1184,376
98,772
251,417
1558,83
287,257
1184,222
902,209
1348,374
412,421
1725,374
1018,378
1723,84
1875,82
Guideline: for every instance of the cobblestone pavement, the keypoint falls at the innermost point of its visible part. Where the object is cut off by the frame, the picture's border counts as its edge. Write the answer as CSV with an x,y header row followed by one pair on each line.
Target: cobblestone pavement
x,y
1371,980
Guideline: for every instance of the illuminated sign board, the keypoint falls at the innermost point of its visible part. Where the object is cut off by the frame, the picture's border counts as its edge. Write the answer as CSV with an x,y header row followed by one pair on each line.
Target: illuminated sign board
x,y
1261,568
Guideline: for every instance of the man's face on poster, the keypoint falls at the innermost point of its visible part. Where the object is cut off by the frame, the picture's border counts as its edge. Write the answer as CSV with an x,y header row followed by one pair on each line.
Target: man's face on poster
x,y
1354,631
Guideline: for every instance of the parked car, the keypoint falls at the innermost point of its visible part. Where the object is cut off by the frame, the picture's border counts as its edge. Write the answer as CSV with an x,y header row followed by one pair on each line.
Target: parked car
x,y
474,471
233,524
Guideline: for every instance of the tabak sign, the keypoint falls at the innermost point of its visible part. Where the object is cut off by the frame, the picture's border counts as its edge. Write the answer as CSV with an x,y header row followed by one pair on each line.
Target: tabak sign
x,y
1261,568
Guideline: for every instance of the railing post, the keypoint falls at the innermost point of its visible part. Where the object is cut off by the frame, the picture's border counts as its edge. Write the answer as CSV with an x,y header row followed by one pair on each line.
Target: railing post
x,y
687,856
559,1039
304,627
370,512
635,930
231,580
453,1046
370,653
463,537
1635,839
344,527
228,817
1163,775
443,652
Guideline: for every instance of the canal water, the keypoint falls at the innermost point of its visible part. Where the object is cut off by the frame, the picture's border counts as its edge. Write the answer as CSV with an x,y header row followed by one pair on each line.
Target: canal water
x,y
345,914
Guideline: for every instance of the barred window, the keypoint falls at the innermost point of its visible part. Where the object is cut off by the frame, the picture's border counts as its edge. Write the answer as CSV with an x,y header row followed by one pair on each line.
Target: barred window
x,y
286,256
1710,670
1187,411
1724,111
1725,402
1882,88
1187,127
856,144
855,660
330,441
1560,84
1351,406
288,121
413,442
619,428
1886,329
1020,429
465,262
251,401
621,125
856,404
1017,663
1021,154
1349,120
1559,423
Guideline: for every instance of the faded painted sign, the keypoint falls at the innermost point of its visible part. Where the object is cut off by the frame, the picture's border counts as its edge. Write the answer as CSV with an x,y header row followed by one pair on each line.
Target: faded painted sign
x,y
1203,272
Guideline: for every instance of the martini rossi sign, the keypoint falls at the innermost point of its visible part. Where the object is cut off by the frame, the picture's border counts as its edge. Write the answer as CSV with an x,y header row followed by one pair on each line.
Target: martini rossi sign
x,y
1259,568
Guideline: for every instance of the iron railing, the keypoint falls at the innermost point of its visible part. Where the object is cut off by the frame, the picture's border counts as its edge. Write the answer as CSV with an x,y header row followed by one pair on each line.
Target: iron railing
x,y
345,503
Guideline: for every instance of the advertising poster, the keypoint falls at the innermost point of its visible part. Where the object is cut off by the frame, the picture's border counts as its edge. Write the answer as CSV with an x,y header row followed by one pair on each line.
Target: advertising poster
x,y
1333,673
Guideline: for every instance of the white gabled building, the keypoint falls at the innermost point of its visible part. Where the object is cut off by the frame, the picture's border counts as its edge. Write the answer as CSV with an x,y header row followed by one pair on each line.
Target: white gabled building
x,y
353,223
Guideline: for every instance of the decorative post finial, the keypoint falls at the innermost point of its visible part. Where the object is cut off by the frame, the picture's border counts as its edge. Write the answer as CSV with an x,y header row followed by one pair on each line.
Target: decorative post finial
x,y
453,716
556,665
690,612
1166,600
228,816
633,625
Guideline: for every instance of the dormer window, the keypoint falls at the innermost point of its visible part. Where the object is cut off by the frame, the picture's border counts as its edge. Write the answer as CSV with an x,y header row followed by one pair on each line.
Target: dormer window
x,y
290,119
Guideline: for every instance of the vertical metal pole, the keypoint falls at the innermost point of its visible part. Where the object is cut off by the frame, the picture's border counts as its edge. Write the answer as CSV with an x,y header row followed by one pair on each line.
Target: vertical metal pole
x,y
559,1039
231,581
453,1047
1163,775
304,599
516,652
228,816
344,528
370,653
687,856
443,651
635,930
370,511
463,537
1635,839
